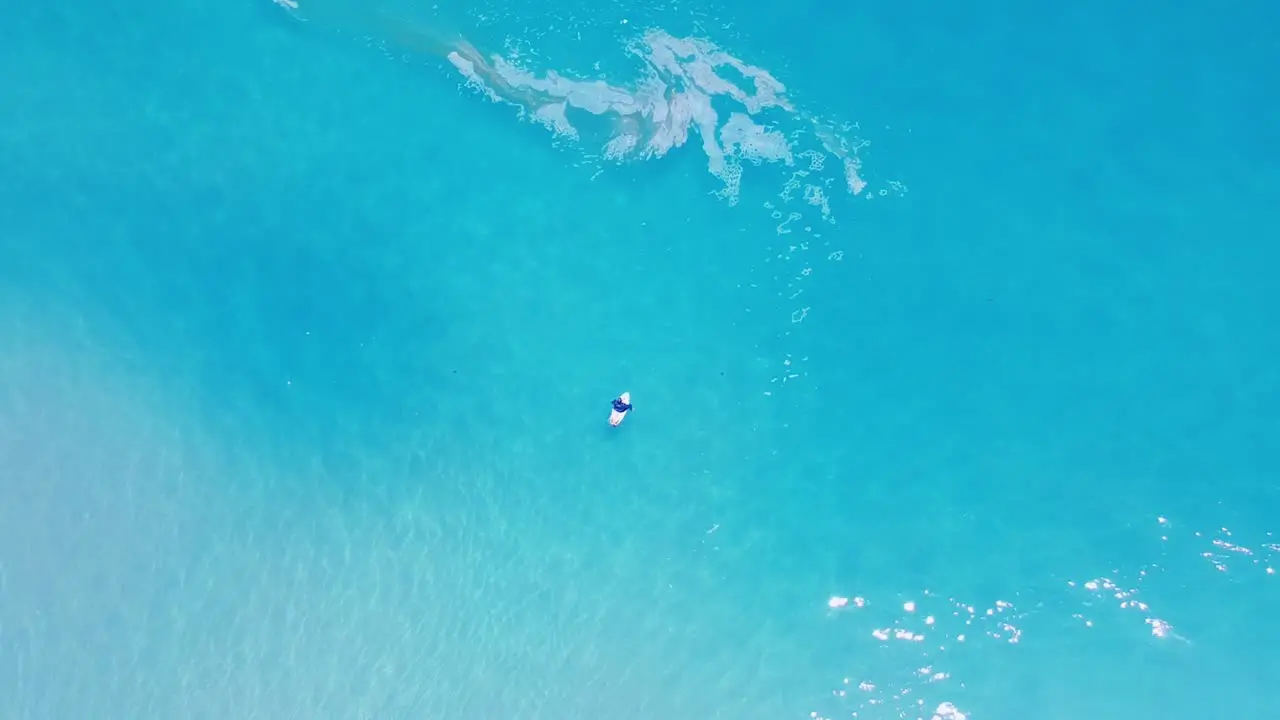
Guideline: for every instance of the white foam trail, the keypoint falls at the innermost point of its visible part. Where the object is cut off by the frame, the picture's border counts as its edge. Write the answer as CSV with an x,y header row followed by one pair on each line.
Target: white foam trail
x,y
671,102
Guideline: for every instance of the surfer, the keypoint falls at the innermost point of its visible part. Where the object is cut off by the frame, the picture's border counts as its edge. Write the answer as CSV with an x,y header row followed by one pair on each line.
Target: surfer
x,y
621,406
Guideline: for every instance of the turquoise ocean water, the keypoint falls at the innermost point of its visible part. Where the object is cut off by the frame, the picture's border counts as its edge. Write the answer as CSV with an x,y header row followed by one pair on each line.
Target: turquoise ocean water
x,y
953,362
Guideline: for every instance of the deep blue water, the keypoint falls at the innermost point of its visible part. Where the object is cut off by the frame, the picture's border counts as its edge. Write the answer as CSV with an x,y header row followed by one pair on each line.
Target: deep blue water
x,y
306,351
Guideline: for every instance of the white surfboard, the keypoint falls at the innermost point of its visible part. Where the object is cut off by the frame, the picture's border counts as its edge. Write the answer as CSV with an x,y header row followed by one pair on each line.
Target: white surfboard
x,y
615,417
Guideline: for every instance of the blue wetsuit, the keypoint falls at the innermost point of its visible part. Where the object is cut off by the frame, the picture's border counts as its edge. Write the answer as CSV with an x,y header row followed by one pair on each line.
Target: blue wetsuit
x,y
620,406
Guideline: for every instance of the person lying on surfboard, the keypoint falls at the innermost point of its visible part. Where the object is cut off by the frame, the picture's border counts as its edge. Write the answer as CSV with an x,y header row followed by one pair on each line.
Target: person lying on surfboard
x,y
621,406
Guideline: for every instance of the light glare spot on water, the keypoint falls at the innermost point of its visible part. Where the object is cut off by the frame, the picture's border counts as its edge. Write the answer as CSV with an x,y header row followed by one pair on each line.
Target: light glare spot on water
x,y
952,621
